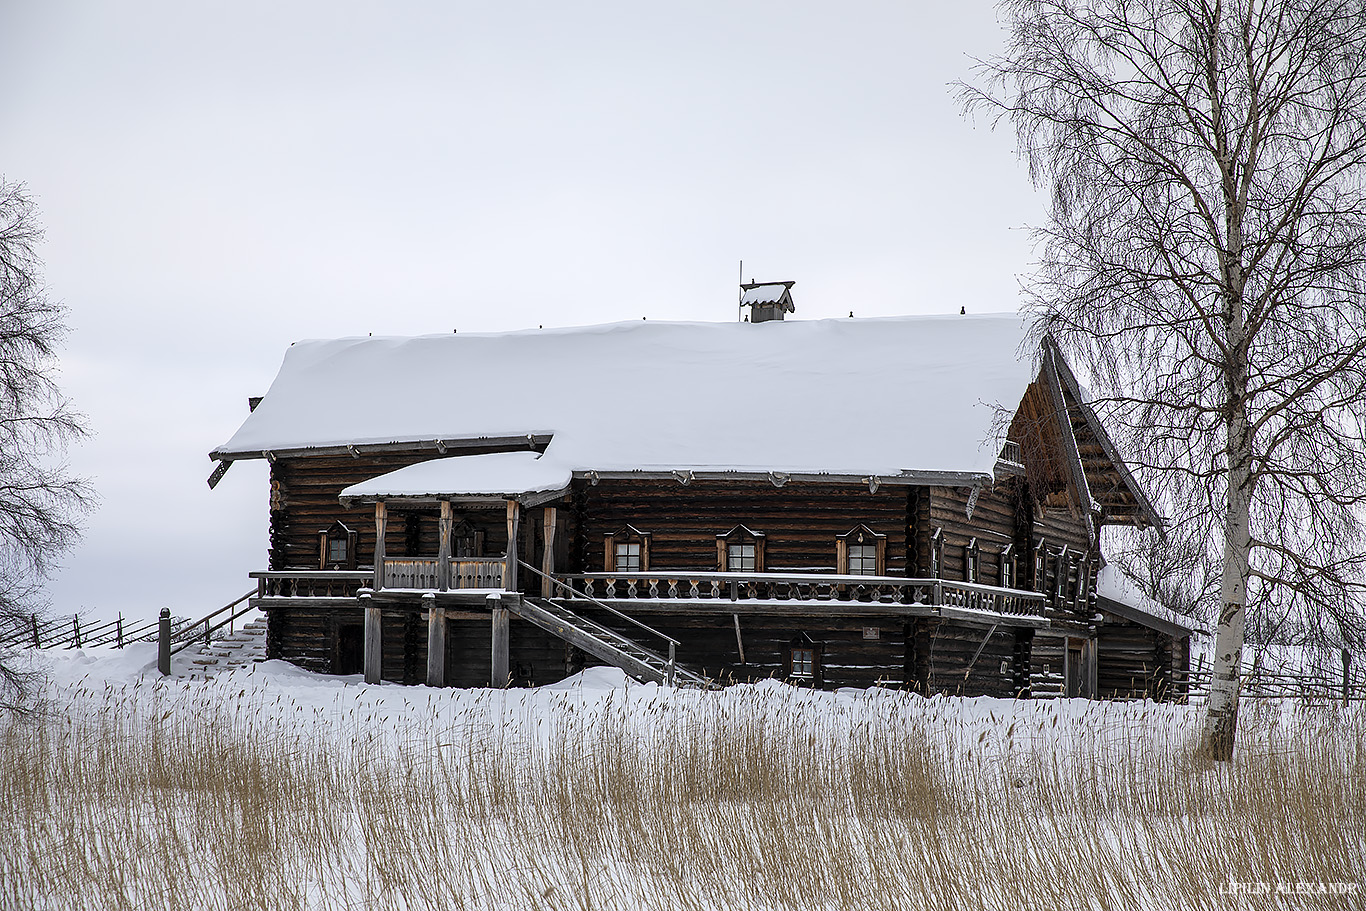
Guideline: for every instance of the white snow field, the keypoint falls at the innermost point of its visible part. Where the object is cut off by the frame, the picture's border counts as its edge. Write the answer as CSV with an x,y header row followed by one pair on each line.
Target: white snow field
x,y
274,788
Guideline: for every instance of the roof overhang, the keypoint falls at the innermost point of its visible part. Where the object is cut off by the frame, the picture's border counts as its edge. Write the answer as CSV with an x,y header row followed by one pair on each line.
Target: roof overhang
x,y
1142,617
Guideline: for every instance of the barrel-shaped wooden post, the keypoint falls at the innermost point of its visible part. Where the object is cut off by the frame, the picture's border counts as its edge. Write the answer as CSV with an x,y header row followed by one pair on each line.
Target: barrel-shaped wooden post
x,y
443,551
381,526
436,641
498,678
514,531
374,644
548,557
164,642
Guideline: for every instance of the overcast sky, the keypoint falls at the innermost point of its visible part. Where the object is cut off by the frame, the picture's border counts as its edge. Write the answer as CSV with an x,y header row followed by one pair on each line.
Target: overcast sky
x,y
218,180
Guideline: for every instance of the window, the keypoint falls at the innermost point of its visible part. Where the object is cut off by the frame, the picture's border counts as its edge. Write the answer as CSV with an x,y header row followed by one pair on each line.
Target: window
x,y
628,557
805,659
337,547
861,552
626,551
971,561
1041,565
937,553
740,551
742,558
1008,566
466,540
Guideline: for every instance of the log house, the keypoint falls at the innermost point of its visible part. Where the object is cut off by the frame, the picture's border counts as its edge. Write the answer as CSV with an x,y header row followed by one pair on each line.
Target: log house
x,y
912,502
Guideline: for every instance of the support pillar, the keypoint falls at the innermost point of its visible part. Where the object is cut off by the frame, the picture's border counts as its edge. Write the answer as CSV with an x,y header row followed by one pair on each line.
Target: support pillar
x,y
498,678
381,525
436,641
514,532
443,552
374,645
548,557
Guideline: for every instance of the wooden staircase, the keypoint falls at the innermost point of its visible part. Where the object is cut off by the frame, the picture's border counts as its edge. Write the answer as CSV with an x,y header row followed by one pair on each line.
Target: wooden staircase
x,y
555,617
606,644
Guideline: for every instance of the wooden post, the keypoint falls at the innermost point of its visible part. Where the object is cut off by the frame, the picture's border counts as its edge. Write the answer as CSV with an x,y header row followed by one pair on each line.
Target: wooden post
x,y
164,642
548,558
498,678
1346,677
374,646
37,639
381,525
514,530
443,552
119,631
436,641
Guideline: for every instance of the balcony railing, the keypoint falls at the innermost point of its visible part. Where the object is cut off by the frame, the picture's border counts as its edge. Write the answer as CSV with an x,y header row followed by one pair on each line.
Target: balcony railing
x,y
314,583
427,573
808,587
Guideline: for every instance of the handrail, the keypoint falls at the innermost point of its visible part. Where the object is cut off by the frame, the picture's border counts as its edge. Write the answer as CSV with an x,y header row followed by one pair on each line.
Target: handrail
x,y
194,627
607,607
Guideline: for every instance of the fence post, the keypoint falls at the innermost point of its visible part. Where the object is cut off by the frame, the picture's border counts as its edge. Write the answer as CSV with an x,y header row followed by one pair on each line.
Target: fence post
x,y
76,629
119,631
164,642
1346,677
37,642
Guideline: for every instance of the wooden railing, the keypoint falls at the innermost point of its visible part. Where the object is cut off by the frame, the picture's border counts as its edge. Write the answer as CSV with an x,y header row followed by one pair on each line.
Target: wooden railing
x,y
800,587
427,573
990,598
311,583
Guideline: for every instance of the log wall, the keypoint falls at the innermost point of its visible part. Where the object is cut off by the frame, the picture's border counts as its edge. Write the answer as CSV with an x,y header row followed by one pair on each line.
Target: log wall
x,y
799,521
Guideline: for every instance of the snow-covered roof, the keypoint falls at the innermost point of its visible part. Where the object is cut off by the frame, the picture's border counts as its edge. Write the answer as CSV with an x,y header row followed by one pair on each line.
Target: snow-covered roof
x,y
767,293
491,474
1118,593
910,396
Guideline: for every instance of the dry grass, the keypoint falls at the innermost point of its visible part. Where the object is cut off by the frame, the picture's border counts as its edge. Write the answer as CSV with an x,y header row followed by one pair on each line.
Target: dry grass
x,y
167,796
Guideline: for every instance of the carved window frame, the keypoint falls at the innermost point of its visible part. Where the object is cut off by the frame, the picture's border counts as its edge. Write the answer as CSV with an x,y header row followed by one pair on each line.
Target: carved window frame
x,y
861,535
627,536
937,553
740,535
337,534
1007,568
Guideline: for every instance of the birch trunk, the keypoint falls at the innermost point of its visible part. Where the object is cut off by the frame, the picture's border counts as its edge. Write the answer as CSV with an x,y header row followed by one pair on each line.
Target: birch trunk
x,y
1221,718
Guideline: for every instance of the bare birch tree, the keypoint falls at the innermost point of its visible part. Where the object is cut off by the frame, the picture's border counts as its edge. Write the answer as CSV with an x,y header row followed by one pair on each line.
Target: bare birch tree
x,y
1204,258
40,502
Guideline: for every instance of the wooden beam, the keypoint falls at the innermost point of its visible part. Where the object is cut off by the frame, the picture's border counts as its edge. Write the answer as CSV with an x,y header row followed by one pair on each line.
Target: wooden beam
x,y
548,556
436,641
374,646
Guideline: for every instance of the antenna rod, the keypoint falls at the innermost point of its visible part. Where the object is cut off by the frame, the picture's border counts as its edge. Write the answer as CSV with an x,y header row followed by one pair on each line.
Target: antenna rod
x,y
740,307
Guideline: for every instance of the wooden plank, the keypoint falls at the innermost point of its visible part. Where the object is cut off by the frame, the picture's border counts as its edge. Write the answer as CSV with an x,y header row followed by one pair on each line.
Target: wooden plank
x,y
550,522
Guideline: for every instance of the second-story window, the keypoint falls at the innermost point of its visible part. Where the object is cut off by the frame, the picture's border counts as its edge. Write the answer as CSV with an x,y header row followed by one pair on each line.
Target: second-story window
x,y
861,552
740,550
937,553
971,561
1008,566
337,547
628,557
627,551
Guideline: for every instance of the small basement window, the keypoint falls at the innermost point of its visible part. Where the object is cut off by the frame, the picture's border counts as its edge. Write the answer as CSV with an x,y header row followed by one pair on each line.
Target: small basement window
x,y
804,660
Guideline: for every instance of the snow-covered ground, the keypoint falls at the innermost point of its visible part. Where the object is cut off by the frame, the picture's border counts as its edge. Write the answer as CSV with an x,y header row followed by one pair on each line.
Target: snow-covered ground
x,y
277,788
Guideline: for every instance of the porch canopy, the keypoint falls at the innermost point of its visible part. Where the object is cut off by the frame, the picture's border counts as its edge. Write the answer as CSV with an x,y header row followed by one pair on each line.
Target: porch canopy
x,y
491,476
